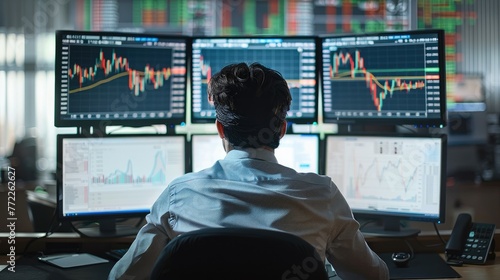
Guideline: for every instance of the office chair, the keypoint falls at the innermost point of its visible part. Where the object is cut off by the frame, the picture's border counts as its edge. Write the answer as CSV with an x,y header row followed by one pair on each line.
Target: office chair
x,y
238,253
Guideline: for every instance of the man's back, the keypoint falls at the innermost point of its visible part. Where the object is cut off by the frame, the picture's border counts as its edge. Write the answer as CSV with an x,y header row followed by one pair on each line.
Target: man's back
x,y
252,192
248,188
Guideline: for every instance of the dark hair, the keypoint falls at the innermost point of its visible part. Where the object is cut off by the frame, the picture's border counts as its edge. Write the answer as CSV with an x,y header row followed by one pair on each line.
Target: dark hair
x,y
251,102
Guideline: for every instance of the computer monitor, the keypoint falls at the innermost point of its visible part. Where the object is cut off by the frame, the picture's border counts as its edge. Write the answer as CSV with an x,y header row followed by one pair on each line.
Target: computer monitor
x,y
297,151
293,57
115,176
206,149
300,152
391,78
112,78
390,178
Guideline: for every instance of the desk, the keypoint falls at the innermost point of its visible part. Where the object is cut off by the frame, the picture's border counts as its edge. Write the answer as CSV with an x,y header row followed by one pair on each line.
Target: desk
x,y
488,271
31,268
28,266
98,246
484,272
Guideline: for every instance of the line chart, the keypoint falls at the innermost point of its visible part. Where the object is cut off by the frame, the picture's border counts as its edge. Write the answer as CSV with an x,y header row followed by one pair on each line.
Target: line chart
x,y
379,173
157,174
372,83
379,78
385,172
118,67
109,79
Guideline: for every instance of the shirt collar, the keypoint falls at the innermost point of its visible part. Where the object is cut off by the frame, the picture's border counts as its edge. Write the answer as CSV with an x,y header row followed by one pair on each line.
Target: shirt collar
x,y
253,153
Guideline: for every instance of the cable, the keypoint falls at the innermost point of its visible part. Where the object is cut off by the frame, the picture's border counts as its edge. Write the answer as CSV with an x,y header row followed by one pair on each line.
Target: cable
x,y
75,229
47,233
438,234
412,252
443,242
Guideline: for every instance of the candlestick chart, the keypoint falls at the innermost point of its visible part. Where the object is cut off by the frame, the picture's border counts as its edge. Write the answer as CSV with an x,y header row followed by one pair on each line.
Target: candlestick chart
x,y
102,77
295,64
115,68
284,61
378,78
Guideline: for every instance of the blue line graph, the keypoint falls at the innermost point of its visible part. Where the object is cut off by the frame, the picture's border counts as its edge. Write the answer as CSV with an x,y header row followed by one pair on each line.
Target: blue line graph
x,y
156,176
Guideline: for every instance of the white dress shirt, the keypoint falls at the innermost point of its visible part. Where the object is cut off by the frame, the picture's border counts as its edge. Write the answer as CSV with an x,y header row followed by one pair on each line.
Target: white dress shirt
x,y
248,188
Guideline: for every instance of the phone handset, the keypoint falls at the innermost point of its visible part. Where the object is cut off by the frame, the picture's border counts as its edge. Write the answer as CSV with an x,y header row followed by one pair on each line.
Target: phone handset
x,y
455,245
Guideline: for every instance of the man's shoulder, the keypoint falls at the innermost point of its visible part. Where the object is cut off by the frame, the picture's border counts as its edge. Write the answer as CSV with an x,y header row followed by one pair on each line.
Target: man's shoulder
x,y
199,175
277,172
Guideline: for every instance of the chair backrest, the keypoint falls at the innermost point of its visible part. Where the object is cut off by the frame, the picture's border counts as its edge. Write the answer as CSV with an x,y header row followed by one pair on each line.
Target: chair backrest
x,y
238,253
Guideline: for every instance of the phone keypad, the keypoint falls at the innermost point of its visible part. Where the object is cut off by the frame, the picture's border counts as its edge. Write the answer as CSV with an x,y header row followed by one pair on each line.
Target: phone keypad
x,y
478,243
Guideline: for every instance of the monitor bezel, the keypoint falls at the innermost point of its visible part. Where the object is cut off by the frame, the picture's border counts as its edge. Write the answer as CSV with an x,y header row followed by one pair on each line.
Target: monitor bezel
x,y
315,39
110,215
102,123
381,215
429,122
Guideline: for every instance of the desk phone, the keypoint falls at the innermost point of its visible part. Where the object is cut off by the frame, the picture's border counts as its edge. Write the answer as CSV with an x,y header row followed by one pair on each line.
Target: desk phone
x,y
470,243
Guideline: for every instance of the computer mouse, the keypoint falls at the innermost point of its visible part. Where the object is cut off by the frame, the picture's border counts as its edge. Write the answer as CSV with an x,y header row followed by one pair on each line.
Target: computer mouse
x,y
401,259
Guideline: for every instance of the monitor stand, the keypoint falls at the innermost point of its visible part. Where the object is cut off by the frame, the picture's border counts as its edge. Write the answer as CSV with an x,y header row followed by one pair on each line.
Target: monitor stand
x,y
108,228
391,227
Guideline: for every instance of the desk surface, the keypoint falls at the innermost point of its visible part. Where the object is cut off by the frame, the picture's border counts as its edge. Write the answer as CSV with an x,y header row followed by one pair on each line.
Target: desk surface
x,y
485,272
31,268
28,266
490,270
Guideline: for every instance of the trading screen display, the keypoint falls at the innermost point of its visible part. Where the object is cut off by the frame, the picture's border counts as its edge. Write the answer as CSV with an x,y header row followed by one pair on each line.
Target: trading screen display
x,y
396,77
389,175
293,57
116,175
120,78
297,151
